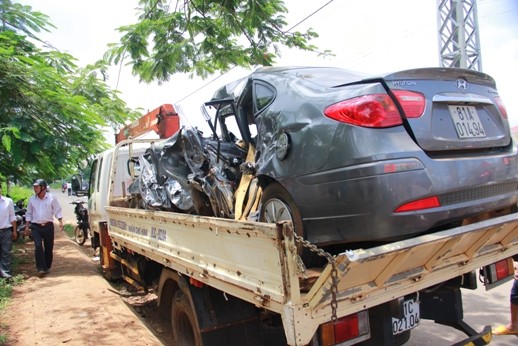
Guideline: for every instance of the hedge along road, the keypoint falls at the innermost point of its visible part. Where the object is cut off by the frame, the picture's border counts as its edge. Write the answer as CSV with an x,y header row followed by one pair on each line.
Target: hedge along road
x,y
74,304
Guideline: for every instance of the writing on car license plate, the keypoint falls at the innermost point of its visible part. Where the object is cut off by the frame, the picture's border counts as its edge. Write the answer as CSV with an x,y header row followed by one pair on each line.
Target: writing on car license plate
x,y
410,318
466,121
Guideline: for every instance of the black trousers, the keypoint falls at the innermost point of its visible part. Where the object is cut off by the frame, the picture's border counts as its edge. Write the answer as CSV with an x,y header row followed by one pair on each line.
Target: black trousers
x,y
43,237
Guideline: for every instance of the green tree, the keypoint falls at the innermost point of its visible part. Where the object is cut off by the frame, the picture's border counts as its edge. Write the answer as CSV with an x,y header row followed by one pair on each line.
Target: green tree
x,y
203,36
52,113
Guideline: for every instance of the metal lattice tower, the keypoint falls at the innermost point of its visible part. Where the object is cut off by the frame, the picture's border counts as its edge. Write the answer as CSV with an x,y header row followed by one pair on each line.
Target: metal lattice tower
x,y
459,43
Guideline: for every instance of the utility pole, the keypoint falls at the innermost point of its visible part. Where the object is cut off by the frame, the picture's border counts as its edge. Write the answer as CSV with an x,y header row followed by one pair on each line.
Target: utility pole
x,y
459,42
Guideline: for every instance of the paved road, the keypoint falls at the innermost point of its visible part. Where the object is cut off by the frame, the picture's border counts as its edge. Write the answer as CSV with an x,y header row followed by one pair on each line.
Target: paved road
x,y
69,216
65,200
481,308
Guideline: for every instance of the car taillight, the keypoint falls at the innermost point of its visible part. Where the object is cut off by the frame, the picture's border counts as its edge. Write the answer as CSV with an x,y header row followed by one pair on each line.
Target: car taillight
x,y
501,107
401,167
420,204
413,103
376,110
353,327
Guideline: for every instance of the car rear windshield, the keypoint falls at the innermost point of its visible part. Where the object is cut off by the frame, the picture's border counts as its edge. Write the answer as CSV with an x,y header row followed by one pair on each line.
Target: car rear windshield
x,y
329,77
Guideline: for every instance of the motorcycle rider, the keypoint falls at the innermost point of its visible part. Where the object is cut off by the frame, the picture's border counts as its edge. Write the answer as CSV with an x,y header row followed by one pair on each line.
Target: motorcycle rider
x,y
41,210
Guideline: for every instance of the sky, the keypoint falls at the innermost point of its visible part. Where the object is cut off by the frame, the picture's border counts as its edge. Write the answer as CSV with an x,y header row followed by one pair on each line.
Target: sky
x,y
372,36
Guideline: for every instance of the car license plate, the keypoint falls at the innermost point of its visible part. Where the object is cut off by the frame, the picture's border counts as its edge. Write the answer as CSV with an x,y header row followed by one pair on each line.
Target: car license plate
x,y
410,319
466,122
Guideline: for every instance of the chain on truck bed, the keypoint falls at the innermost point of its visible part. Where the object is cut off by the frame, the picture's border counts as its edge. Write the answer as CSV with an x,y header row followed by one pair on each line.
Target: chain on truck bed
x,y
334,273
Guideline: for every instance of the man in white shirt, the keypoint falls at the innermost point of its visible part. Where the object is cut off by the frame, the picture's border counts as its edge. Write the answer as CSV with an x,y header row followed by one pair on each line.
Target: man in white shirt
x,y
41,210
7,234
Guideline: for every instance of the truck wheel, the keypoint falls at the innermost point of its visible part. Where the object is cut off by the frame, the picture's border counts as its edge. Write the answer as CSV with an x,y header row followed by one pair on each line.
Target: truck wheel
x,y
402,338
183,319
79,235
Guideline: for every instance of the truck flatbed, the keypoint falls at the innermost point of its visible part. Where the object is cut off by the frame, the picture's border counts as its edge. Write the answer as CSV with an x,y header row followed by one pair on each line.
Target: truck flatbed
x,y
257,262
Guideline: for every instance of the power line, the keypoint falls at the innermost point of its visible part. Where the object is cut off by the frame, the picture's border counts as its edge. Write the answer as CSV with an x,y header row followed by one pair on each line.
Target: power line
x,y
310,15
203,86
221,75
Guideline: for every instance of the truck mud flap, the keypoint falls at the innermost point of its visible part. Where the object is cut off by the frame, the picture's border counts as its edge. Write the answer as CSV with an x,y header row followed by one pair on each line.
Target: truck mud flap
x,y
444,306
223,319
111,269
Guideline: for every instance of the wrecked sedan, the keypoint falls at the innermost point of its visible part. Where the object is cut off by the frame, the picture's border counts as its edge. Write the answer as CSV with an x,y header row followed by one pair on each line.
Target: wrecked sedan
x,y
350,159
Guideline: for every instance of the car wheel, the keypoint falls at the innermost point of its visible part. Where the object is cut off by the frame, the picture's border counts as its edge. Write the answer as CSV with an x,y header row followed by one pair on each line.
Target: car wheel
x,y
277,205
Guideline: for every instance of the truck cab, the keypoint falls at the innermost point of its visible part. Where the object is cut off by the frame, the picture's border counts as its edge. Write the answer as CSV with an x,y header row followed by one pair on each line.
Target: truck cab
x,y
100,180
161,122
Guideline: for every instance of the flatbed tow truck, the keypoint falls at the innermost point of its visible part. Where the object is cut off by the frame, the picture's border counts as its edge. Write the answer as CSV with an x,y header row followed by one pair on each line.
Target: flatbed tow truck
x,y
225,280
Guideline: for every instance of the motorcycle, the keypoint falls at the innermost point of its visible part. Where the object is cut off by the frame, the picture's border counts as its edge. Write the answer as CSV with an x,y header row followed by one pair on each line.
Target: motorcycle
x,y
20,211
83,226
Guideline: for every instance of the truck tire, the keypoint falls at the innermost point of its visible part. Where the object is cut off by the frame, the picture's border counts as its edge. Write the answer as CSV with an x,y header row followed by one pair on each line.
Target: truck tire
x,y
402,338
183,319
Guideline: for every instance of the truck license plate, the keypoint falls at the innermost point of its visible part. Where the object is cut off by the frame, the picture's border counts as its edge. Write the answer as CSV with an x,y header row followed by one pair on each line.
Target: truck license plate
x,y
411,317
466,121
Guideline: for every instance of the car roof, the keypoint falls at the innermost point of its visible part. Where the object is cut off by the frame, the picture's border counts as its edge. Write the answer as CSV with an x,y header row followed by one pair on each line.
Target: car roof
x,y
320,77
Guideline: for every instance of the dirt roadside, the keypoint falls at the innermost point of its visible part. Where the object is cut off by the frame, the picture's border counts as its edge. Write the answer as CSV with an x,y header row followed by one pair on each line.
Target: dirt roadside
x,y
75,305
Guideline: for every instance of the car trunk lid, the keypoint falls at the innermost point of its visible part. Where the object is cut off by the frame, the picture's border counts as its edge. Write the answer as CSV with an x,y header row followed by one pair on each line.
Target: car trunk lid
x,y
462,109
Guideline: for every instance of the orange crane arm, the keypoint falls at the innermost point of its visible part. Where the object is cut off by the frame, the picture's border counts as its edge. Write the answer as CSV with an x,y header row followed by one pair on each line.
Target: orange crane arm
x,y
163,120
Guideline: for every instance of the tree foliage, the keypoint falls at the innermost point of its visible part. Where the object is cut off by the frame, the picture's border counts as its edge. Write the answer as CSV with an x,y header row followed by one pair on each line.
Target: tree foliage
x,y
203,36
52,113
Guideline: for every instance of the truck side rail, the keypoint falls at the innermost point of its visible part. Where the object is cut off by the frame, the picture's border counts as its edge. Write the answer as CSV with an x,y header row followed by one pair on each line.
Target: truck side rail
x,y
240,258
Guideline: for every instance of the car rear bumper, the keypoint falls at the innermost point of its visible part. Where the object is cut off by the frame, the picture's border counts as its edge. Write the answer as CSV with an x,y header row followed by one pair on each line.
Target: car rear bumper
x,y
357,204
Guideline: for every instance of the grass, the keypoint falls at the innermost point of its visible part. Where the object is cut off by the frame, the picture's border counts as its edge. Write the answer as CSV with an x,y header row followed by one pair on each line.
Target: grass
x,y
6,289
69,230
18,193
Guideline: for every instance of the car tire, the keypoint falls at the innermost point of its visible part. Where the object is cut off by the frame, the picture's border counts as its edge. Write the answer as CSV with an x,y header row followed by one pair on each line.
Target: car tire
x,y
277,205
